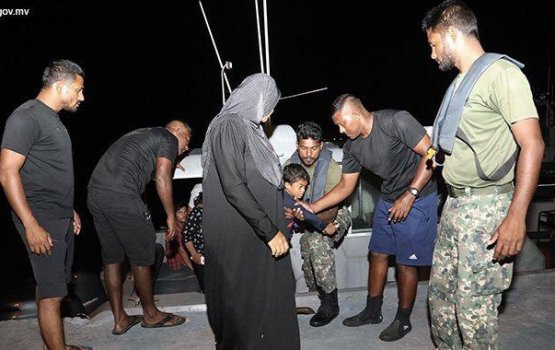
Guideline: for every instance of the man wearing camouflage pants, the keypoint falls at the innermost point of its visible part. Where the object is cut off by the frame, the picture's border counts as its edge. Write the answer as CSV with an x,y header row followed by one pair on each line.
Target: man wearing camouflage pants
x,y
487,127
316,247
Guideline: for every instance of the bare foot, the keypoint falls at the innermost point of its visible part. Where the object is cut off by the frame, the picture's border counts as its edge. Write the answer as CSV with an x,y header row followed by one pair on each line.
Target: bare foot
x,y
129,321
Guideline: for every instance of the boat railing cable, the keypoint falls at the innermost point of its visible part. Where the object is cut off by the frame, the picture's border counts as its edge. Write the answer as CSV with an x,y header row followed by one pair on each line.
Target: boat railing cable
x,y
304,93
222,66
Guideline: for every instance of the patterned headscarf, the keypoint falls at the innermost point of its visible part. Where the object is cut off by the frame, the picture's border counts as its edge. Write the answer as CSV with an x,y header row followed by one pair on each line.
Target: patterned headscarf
x,y
254,99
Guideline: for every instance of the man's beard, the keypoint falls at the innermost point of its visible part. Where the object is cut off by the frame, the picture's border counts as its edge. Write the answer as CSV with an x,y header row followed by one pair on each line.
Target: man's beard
x,y
72,109
446,63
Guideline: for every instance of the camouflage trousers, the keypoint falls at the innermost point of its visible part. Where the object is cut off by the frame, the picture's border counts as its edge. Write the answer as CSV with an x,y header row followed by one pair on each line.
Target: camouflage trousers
x,y
318,262
318,257
465,285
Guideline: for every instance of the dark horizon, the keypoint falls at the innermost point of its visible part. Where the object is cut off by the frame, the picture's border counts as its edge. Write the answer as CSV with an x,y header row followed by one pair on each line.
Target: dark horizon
x,y
146,64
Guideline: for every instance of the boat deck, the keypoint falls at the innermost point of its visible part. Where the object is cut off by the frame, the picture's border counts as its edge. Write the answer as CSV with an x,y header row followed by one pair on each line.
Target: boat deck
x,y
527,320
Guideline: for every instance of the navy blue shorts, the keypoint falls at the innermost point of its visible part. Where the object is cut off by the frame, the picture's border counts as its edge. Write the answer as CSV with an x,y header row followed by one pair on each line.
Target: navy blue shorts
x,y
411,241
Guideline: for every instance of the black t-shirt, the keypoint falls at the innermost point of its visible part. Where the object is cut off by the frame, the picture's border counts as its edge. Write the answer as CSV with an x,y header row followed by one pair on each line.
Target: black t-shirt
x,y
128,165
388,152
36,132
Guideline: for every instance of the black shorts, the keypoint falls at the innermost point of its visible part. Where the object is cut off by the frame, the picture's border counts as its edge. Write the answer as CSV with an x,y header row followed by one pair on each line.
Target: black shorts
x,y
124,227
52,272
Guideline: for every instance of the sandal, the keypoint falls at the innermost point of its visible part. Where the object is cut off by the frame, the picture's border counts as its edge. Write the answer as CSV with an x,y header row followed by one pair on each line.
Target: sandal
x,y
163,322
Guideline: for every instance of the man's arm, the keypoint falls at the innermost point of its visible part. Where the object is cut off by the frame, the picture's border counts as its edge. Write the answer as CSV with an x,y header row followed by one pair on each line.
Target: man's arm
x,y
510,234
164,170
402,206
329,215
340,192
38,238
312,219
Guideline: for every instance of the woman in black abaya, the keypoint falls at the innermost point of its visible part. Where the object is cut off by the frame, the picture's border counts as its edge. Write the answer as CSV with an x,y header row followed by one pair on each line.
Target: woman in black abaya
x,y
250,291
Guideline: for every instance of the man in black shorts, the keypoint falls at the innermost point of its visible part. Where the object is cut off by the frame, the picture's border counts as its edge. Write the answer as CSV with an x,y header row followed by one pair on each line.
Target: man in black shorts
x,y
36,172
123,221
393,145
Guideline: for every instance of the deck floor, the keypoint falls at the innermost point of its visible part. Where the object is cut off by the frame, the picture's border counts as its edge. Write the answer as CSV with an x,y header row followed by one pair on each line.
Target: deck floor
x,y
527,321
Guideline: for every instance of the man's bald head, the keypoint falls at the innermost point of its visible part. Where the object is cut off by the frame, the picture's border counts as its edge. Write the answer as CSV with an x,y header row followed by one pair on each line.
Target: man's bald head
x,y
182,131
177,124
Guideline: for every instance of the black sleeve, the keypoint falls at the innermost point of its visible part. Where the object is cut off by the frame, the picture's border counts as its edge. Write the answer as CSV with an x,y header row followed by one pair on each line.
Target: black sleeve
x,y
168,147
407,129
21,133
228,150
349,164
189,227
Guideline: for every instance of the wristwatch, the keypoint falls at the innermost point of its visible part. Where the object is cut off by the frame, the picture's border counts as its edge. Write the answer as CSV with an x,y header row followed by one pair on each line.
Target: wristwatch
x,y
414,191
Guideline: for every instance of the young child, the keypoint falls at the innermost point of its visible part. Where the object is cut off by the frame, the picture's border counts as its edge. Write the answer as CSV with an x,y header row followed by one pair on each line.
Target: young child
x,y
175,251
296,179
194,240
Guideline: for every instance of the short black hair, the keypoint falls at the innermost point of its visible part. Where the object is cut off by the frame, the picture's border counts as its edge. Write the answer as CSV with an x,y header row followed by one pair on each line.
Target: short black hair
x,y
61,70
341,100
180,204
309,130
294,172
451,13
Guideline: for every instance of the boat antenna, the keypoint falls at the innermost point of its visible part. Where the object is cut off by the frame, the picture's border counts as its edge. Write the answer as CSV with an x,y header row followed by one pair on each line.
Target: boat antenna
x,y
266,40
260,54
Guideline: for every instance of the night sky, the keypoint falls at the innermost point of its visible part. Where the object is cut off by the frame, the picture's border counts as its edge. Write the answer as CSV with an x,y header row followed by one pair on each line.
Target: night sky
x,y
148,63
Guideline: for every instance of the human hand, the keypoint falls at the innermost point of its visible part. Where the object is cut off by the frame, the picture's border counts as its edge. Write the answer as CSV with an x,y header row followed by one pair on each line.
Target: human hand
x,y
401,207
198,259
172,227
278,245
289,214
331,228
306,206
39,240
299,215
76,222
509,237
180,167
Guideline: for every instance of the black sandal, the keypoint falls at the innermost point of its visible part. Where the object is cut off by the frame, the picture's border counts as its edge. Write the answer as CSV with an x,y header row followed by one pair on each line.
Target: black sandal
x,y
162,322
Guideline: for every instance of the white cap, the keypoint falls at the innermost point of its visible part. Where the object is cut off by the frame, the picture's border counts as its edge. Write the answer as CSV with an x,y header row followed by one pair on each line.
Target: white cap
x,y
194,193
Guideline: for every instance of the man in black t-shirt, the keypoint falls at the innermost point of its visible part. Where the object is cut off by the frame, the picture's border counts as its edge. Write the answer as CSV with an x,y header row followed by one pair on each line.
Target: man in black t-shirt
x,y
122,220
36,172
393,145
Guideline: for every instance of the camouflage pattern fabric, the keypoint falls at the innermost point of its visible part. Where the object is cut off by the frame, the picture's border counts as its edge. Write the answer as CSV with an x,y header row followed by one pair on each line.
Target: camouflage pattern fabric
x,y
465,285
318,261
318,257
344,220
